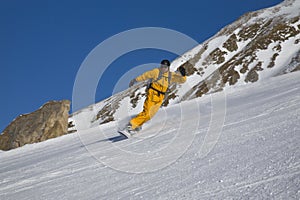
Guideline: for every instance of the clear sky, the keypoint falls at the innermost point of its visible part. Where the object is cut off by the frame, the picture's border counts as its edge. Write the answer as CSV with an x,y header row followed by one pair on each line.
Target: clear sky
x,y
44,42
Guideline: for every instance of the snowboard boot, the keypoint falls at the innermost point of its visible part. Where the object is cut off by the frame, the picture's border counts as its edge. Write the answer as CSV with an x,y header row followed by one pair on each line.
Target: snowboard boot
x,y
132,131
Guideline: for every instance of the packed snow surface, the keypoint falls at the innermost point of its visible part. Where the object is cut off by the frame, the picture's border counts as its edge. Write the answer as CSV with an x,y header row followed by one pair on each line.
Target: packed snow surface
x,y
255,154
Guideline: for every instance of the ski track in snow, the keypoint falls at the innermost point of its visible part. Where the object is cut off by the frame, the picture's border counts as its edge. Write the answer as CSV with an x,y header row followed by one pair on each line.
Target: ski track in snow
x,y
257,156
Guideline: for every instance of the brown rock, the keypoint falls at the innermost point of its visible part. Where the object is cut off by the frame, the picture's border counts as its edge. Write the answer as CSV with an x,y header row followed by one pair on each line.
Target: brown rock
x,y
49,121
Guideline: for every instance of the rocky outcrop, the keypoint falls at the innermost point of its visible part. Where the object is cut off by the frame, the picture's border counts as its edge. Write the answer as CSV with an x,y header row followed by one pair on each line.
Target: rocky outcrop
x,y
50,121
248,49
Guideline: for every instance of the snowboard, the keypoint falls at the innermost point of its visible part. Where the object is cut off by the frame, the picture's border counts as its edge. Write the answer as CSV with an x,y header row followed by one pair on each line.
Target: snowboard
x,y
125,133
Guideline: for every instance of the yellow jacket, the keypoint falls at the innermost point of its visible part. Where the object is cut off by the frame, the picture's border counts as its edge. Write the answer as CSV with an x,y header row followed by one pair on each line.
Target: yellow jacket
x,y
162,84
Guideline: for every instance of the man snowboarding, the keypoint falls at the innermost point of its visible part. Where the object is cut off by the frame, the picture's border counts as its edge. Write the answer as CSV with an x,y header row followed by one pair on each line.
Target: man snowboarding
x,y
160,79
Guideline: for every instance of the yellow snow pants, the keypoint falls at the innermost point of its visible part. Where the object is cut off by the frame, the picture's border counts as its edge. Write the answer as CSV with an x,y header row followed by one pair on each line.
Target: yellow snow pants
x,y
151,106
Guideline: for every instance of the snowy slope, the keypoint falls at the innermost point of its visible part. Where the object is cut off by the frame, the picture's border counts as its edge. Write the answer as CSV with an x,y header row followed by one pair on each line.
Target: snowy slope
x,y
256,156
257,46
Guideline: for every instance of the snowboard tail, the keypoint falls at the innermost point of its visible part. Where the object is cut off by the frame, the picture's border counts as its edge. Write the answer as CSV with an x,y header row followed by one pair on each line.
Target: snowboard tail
x,y
125,133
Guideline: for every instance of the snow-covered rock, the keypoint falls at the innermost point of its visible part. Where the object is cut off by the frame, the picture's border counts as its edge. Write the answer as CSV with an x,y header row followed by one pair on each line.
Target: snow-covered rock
x,y
259,45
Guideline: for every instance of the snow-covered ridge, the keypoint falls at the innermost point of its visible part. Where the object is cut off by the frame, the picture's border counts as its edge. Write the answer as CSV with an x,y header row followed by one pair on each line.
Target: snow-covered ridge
x,y
259,45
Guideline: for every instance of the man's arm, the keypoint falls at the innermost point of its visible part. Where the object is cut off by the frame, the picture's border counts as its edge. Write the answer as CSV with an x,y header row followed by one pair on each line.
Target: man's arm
x,y
152,74
180,76
177,78
148,75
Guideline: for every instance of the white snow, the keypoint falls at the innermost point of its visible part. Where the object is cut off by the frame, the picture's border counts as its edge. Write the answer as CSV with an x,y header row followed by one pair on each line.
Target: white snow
x,y
242,143
287,8
255,156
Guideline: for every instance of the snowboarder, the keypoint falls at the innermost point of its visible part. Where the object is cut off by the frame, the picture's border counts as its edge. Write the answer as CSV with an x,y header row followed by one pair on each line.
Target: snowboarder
x,y
160,79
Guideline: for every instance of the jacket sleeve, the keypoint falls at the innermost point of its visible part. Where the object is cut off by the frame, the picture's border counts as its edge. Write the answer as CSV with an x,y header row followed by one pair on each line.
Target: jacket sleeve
x,y
177,78
148,75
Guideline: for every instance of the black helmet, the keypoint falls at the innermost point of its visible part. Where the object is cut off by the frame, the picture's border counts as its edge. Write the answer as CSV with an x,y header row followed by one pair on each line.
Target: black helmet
x,y
165,62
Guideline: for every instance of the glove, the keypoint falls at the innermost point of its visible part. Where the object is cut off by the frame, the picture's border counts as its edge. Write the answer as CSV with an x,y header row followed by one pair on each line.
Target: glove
x,y
132,82
182,71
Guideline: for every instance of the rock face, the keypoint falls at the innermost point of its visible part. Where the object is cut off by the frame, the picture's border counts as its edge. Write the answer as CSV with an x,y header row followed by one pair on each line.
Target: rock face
x,y
257,46
50,121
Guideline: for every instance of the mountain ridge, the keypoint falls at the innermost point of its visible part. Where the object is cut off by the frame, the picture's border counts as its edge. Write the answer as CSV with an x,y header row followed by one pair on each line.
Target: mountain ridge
x,y
259,45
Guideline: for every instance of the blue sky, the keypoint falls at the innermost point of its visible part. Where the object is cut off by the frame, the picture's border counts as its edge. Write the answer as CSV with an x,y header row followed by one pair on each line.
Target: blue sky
x,y
44,42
